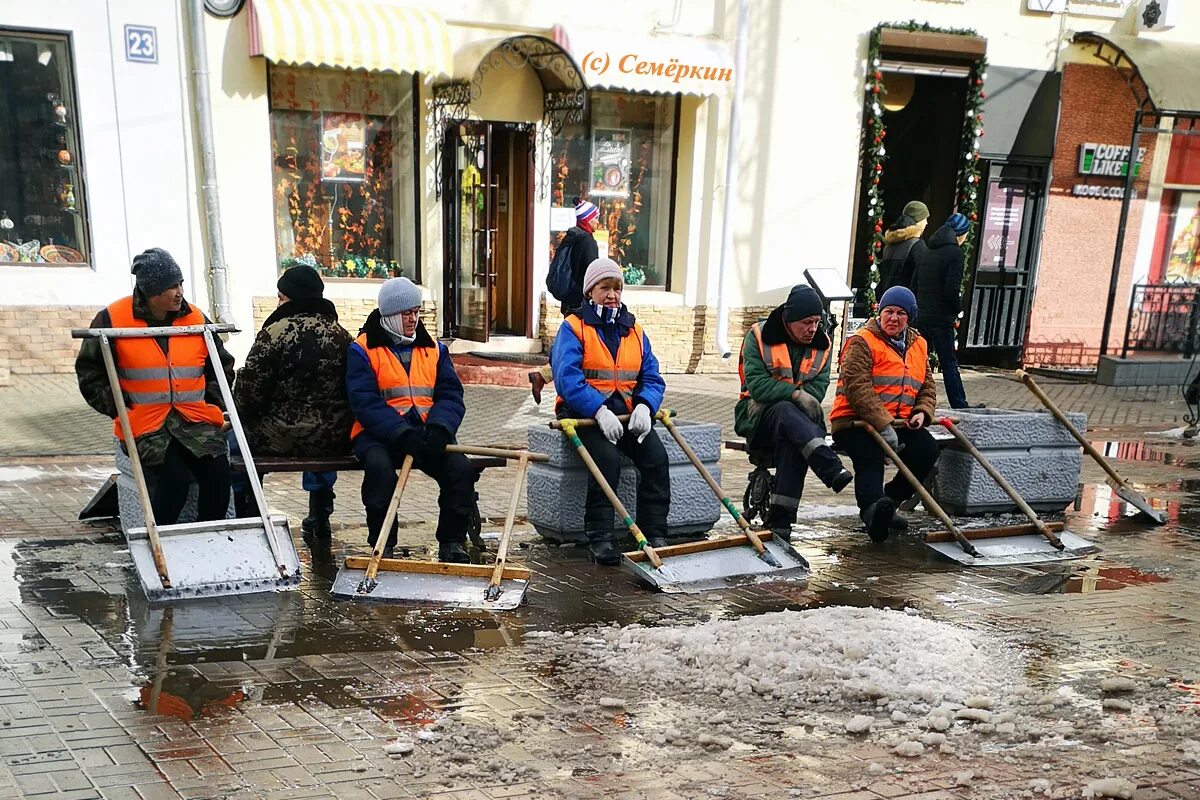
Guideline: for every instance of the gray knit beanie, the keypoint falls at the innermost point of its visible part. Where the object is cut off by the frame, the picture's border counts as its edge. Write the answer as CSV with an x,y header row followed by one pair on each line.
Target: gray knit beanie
x,y
598,270
398,294
155,271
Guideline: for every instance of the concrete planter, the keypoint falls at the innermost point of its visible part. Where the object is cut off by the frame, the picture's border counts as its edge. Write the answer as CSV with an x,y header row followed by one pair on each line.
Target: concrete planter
x,y
557,490
131,508
1033,452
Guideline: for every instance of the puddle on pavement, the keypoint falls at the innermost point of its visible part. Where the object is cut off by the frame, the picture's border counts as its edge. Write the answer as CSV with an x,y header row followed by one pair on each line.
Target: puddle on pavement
x,y
1087,578
1140,451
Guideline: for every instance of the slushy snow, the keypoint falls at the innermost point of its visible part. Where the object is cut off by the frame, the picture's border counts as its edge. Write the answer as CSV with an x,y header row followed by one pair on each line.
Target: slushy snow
x,y
1110,787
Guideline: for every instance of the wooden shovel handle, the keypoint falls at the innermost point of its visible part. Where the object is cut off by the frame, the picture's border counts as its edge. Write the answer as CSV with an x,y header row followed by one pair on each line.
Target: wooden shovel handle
x,y
389,519
502,551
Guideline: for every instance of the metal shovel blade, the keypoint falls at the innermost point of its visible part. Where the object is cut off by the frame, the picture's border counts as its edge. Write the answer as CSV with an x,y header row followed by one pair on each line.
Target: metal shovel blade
x,y
430,582
1031,548
716,564
210,559
1136,500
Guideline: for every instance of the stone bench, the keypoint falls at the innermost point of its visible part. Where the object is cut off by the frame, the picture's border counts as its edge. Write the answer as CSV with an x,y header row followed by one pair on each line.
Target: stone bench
x,y
1033,452
556,491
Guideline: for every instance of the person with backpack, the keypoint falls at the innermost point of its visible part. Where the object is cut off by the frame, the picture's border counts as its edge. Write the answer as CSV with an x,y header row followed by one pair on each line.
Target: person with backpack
x,y
903,248
574,253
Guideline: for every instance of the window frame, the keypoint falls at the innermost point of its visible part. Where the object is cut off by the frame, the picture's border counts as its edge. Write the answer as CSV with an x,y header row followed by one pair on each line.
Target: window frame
x,y
67,39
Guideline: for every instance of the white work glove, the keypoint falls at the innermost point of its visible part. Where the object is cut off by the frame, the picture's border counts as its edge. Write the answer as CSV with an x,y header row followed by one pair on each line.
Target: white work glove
x,y
640,422
610,426
889,436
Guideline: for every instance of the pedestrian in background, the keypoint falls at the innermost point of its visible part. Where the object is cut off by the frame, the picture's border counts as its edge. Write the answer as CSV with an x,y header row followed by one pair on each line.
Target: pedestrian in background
x,y
903,248
939,295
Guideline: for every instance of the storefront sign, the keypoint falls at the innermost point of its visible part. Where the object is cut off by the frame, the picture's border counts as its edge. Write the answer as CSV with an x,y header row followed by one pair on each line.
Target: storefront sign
x,y
599,62
610,162
1103,192
1157,15
1108,160
1001,227
343,147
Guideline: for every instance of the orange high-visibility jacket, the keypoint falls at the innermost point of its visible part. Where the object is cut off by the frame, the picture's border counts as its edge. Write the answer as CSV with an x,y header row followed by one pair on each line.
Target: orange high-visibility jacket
x,y
778,360
154,381
604,373
402,390
896,380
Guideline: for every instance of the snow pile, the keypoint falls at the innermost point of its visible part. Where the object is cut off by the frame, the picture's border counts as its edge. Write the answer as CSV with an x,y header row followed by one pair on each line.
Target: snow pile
x,y
1110,787
833,656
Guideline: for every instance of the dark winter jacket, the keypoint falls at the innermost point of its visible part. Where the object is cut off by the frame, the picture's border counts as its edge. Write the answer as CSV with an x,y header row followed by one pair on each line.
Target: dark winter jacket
x,y
764,390
383,425
584,251
856,372
903,251
566,359
938,285
291,393
201,438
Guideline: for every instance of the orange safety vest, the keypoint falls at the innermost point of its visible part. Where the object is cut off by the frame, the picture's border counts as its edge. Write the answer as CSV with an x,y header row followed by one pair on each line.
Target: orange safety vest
x,y
402,389
896,380
778,359
602,372
154,381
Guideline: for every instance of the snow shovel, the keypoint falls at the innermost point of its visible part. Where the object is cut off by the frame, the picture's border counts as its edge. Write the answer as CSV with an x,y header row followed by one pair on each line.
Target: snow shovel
x,y
1119,485
694,566
1020,546
497,588
200,559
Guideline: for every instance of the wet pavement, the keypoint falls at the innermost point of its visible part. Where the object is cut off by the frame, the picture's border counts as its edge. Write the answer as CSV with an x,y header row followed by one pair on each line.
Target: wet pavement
x,y
298,695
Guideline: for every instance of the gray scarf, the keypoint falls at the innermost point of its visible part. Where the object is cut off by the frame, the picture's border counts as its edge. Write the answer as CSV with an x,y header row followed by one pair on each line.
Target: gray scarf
x,y
394,325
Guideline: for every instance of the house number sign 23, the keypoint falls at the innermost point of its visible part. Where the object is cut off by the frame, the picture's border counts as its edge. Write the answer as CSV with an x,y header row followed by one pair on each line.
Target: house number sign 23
x,y
141,44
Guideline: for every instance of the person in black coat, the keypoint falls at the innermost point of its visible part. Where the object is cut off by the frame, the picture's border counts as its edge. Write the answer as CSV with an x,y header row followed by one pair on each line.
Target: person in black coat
x,y
903,248
938,288
584,250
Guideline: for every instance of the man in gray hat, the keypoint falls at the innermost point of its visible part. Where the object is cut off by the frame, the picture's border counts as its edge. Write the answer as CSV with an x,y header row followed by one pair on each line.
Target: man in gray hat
x,y
170,388
407,400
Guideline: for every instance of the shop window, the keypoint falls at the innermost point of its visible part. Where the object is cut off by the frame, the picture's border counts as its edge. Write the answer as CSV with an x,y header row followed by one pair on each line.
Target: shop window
x,y
343,168
624,163
1179,223
42,219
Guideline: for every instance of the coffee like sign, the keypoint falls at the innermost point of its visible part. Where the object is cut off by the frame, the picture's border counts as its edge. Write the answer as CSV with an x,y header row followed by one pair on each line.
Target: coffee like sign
x,y
1107,160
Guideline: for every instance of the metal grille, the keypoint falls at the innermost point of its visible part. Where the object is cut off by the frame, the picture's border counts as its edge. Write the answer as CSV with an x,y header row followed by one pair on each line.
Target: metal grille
x,y
1162,319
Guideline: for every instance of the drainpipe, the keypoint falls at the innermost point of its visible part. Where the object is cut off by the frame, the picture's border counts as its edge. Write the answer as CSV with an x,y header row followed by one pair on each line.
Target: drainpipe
x,y
731,177
218,276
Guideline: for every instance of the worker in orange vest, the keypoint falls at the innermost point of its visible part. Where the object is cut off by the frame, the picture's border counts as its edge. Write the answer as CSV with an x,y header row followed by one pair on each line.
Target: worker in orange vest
x,y
170,388
884,379
407,400
603,367
784,368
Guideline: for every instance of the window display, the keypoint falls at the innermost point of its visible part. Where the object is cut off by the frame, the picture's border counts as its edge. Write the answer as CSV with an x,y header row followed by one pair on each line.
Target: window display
x,y
343,170
624,163
42,219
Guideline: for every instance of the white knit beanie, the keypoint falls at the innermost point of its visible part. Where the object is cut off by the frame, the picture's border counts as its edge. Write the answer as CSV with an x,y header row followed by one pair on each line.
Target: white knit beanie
x,y
598,270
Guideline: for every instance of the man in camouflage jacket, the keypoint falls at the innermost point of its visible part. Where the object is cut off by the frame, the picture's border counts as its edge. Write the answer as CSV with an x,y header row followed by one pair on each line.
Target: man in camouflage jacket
x,y
291,393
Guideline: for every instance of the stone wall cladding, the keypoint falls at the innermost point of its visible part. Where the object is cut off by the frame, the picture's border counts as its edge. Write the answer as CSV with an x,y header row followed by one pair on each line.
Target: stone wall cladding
x,y
683,337
1033,452
557,489
36,340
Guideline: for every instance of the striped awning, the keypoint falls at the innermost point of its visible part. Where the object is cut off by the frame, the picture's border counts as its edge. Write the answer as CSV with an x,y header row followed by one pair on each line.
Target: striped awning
x,y
376,35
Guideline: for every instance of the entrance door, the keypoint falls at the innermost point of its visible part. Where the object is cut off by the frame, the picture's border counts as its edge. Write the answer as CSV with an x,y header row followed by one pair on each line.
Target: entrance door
x,y
1007,251
486,214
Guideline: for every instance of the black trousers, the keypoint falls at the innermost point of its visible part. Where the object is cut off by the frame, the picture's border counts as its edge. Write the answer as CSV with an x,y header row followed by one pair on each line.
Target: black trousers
x,y
169,483
945,344
654,483
455,479
919,454
796,443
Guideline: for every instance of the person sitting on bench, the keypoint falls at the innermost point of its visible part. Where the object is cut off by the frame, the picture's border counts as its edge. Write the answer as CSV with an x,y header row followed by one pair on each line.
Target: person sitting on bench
x,y
407,400
784,367
885,379
170,388
291,394
603,366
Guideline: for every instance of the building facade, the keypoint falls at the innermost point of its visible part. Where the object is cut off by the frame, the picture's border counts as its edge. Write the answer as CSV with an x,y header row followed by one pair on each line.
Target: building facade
x,y
447,142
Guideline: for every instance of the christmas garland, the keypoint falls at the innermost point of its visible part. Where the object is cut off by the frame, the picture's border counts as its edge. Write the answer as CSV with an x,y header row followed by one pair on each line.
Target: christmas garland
x,y
875,152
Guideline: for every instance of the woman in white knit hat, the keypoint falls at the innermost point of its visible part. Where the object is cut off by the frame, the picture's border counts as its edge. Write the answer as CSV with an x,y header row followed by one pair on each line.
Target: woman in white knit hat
x,y
604,367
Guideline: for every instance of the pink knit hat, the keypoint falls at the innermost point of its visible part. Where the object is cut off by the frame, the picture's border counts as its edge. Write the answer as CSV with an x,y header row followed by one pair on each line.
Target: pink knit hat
x,y
598,270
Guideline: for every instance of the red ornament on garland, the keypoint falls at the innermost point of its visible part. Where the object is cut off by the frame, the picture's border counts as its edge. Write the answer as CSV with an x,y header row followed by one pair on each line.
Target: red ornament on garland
x,y
878,227
974,217
879,167
878,75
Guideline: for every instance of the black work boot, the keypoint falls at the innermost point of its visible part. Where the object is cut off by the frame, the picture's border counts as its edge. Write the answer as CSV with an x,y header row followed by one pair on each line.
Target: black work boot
x,y
899,522
600,547
453,553
315,528
779,522
244,505
878,518
840,481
